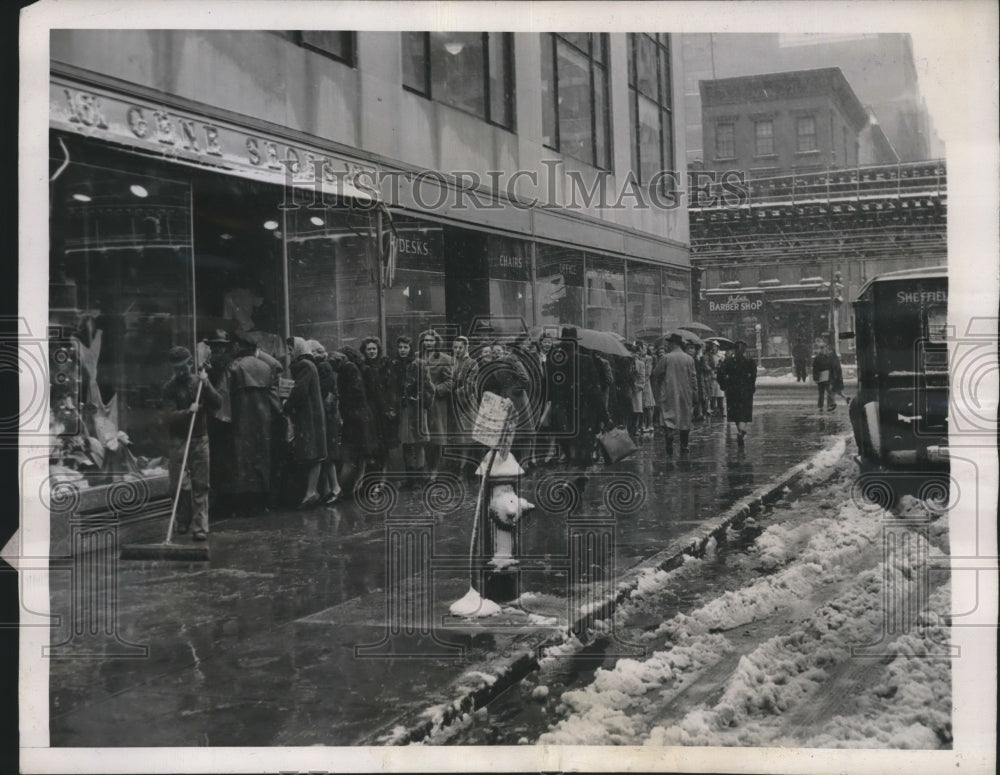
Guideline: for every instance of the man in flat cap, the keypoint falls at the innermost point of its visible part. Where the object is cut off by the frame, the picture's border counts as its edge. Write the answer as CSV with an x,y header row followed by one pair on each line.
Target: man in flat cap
x,y
179,405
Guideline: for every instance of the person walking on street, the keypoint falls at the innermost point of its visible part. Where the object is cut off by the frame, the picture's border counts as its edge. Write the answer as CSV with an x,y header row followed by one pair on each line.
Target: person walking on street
x,y
713,360
738,378
179,402
678,383
636,389
822,368
647,390
800,358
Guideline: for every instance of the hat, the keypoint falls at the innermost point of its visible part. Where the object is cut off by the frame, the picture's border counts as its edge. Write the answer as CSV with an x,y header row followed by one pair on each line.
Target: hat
x,y
179,356
674,337
570,333
739,342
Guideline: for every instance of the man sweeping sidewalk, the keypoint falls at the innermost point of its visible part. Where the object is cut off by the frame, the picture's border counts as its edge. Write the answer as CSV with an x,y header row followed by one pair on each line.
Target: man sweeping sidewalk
x,y
180,401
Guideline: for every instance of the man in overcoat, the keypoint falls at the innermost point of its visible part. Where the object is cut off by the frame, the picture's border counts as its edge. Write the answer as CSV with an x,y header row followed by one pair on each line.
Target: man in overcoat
x,y
678,383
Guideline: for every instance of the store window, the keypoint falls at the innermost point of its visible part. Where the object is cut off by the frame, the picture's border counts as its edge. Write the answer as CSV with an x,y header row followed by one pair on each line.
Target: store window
x,y
337,45
121,294
644,301
725,140
575,96
764,138
331,294
650,104
471,71
605,286
509,262
676,297
805,133
415,299
560,287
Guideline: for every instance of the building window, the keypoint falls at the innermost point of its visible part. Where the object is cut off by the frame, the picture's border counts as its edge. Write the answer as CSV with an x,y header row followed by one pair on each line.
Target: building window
x,y
725,140
471,71
336,45
764,138
650,104
575,96
805,132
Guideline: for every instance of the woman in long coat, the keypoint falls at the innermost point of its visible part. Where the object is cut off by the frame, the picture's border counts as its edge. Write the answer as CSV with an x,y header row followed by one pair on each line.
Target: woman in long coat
x,y
738,377
304,407
416,392
648,402
357,437
255,408
376,370
329,487
439,366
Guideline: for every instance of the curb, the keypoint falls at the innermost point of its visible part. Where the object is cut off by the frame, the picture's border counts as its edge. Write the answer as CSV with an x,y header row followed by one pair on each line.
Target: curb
x,y
417,726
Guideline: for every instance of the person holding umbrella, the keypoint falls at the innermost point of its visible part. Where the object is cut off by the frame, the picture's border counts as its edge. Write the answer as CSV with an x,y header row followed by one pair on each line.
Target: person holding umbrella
x,y
737,376
677,379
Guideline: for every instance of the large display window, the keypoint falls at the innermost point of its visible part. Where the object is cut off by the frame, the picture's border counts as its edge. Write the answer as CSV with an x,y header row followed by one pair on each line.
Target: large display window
x,y
509,262
605,294
676,298
560,287
645,307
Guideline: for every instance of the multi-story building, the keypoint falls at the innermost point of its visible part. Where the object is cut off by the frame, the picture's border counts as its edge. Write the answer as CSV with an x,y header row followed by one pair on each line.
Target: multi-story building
x,y
335,185
800,121
880,68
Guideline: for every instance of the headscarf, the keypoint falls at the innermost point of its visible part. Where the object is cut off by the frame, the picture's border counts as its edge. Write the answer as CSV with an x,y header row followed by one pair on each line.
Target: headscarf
x,y
299,347
316,348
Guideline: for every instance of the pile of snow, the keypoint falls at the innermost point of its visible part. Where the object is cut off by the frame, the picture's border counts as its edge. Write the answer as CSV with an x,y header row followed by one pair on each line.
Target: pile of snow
x,y
474,605
835,559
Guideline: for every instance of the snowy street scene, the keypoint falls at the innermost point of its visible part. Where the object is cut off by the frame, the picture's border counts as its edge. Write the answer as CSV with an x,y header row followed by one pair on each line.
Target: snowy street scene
x,y
509,386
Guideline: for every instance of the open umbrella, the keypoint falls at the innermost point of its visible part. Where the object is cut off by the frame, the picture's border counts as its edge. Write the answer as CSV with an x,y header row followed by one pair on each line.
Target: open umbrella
x,y
724,344
601,341
687,336
698,328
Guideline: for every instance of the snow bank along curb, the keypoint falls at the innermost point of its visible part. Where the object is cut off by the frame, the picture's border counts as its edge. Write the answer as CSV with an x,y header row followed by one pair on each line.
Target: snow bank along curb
x,y
496,678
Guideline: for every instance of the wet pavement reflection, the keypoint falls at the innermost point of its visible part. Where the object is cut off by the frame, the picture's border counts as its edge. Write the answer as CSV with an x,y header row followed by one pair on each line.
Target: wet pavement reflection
x,y
259,646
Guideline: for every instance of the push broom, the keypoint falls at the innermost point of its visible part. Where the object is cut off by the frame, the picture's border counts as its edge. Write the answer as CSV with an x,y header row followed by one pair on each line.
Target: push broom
x,y
168,550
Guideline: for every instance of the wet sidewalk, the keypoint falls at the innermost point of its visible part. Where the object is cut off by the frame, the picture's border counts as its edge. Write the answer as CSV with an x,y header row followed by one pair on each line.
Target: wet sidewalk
x,y
332,627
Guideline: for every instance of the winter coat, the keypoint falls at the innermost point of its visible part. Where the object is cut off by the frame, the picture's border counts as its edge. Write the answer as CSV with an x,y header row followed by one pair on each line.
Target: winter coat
x,y
678,382
737,376
508,378
358,439
255,409
415,390
578,409
647,389
822,362
464,401
331,407
304,407
380,387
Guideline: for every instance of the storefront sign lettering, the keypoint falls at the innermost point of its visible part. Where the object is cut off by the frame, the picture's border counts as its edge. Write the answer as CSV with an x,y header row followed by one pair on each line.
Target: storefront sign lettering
x,y
737,303
174,133
85,109
922,297
511,262
414,247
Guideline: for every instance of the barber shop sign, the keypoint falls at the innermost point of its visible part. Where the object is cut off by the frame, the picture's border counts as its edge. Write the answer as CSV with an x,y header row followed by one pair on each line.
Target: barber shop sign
x,y
736,303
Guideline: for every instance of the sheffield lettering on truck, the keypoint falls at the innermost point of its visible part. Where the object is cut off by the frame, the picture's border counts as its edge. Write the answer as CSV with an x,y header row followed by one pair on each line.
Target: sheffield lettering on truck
x,y
922,297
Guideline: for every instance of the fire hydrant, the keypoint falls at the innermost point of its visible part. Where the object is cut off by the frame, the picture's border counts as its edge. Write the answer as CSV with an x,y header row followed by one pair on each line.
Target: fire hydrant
x,y
504,507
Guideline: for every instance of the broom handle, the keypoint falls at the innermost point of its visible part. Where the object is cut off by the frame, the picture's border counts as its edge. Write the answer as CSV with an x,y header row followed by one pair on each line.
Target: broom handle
x,y
180,476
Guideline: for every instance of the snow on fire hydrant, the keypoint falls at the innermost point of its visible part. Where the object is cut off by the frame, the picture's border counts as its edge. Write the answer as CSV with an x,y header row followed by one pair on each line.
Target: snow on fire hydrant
x,y
499,509
501,534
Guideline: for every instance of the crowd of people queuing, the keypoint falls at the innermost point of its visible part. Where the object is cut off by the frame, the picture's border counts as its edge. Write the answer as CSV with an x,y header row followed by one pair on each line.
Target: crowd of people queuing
x,y
349,411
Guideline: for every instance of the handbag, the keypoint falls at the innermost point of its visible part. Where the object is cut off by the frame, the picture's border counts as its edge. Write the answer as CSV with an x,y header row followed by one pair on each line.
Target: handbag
x,y
617,444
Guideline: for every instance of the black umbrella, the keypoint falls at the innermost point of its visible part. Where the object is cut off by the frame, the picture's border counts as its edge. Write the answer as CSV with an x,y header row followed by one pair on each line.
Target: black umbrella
x,y
698,328
724,344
